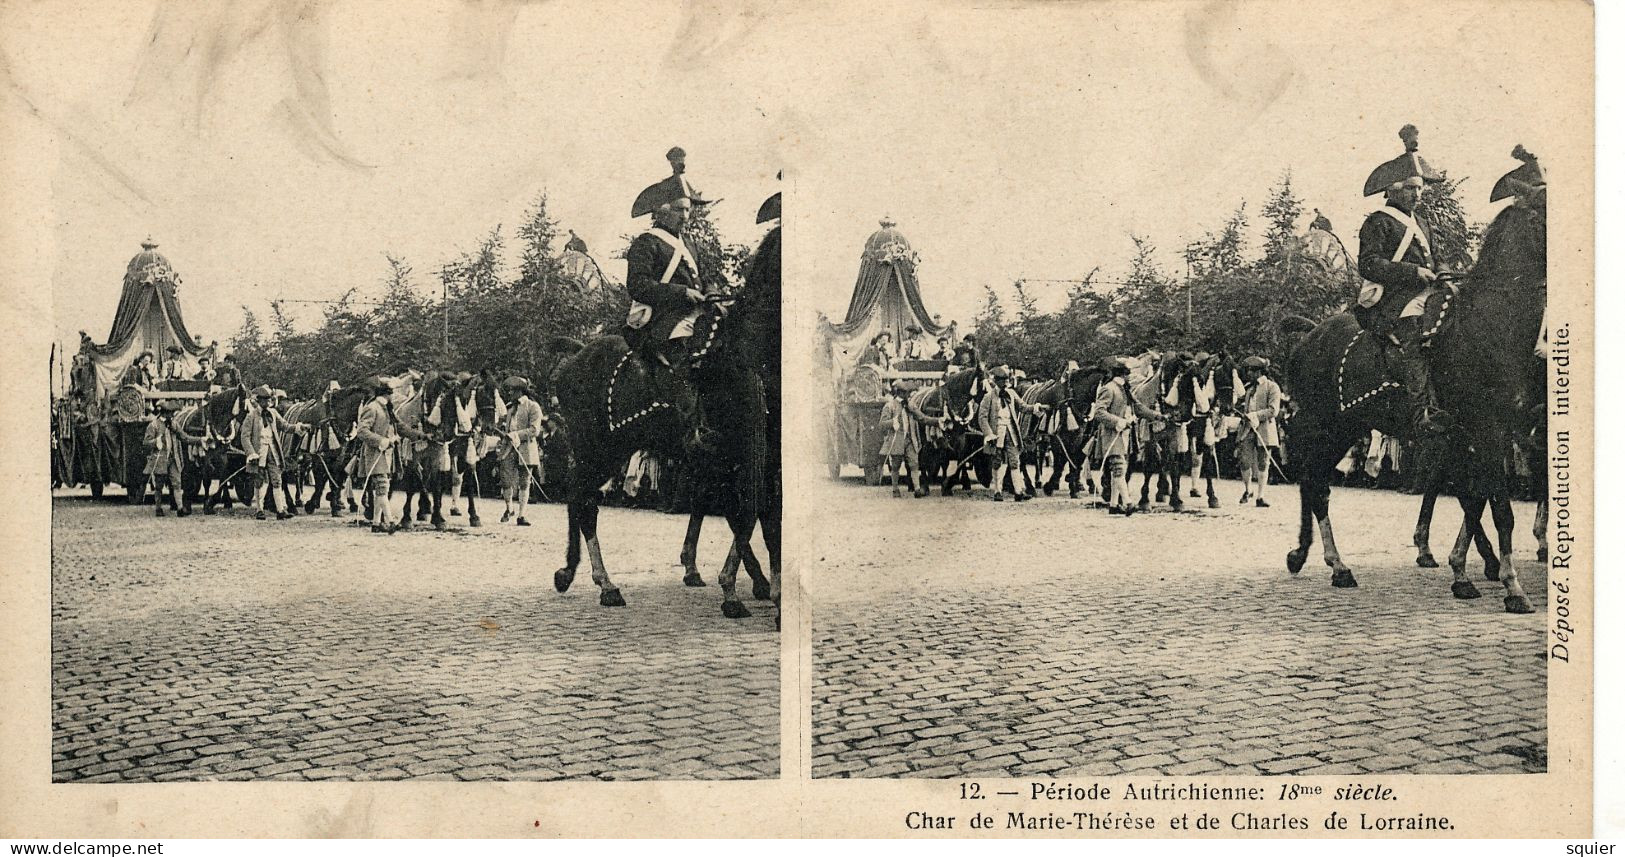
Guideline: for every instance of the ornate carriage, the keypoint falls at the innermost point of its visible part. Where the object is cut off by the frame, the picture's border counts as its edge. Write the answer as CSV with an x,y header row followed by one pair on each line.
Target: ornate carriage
x,y
886,299
99,424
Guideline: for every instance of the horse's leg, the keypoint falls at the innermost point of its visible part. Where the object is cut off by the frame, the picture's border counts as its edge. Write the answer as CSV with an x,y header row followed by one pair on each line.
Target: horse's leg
x,y
743,525
1424,525
691,545
760,588
1342,577
1481,540
572,546
1501,511
1054,480
609,595
1472,511
1145,490
473,493
439,480
1540,529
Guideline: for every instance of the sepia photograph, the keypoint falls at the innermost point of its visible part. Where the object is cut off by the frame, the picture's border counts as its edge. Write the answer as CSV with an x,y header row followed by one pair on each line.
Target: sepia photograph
x,y
1187,419
362,359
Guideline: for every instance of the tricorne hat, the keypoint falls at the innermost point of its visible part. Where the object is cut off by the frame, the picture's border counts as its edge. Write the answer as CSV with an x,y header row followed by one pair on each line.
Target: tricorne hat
x,y
263,391
1255,362
1000,372
1522,181
772,208
1403,168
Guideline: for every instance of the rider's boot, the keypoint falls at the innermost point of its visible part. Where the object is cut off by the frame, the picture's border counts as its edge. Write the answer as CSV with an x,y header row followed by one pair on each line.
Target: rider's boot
x,y
1425,414
671,366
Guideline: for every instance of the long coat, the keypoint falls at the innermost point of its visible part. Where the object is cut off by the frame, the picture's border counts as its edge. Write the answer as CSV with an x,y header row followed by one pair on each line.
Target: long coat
x,y
900,421
1380,238
990,415
260,436
1113,411
165,449
376,428
1263,403
524,424
647,262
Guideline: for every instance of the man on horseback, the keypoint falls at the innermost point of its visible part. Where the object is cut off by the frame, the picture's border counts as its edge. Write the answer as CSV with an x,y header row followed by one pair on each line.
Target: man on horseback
x,y
1396,260
663,280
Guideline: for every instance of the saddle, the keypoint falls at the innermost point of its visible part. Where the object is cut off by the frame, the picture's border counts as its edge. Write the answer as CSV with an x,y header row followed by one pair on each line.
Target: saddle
x,y
1436,314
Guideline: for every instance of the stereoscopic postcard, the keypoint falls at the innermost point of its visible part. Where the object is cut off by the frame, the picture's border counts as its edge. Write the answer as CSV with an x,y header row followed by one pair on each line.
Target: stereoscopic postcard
x,y
486,418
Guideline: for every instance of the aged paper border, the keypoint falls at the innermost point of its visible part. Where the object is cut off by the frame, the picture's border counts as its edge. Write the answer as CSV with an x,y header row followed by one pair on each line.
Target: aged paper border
x,y
1558,802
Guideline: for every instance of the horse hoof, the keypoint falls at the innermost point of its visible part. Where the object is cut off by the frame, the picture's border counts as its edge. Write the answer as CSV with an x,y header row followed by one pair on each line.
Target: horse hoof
x,y
1464,590
762,591
1342,578
611,598
208,511
693,578
1213,502
1541,556
1518,604
1426,560
337,514
456,513
440,525
1294,561
563,578
1161,497
1145,505
474,521
734,610
1049,491
1492,570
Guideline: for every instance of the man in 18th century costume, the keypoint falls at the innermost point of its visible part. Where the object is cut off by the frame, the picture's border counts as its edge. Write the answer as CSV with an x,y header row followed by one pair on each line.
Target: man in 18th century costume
x,y
1115,410
900,422
375,428
663,281
1257,436
1396,260
263,440
996,417
520,457
165,456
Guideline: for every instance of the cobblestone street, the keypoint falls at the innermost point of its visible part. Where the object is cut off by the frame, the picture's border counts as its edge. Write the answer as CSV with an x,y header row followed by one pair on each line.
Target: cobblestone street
x,y
223,648
958,637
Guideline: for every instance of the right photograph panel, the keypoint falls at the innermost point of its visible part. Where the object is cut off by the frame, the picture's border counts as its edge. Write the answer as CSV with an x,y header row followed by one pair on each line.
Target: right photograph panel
x,y
1179,395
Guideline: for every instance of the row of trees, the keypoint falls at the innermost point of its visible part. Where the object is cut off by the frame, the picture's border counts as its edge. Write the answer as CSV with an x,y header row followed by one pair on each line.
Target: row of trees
x,y
492,313
1227,299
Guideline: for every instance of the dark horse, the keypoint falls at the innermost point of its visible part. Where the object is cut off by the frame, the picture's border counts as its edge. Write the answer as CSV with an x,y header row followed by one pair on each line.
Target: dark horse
x,y
209,430
611,407
1159,445
1065,427
325,446
1486,374
949,450
710,493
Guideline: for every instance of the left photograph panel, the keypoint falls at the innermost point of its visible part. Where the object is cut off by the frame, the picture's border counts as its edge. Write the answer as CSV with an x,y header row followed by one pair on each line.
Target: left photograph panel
x,y
414,397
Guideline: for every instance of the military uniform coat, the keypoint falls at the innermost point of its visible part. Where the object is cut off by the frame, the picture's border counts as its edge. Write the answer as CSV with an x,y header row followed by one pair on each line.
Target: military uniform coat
x,y
164,450
647,262
1387,233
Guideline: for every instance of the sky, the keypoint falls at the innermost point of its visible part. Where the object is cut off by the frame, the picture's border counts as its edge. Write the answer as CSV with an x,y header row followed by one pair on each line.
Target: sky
x,y
1036,153
413,133
278,156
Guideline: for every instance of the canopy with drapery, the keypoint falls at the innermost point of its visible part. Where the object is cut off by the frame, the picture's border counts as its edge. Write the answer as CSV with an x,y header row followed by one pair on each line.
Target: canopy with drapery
x,y
885,298
148,319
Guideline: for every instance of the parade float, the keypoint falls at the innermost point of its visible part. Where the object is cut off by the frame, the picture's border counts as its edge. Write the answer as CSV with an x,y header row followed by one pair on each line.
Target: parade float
x,y
99,422
885,299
